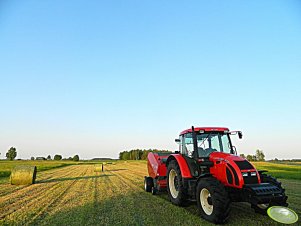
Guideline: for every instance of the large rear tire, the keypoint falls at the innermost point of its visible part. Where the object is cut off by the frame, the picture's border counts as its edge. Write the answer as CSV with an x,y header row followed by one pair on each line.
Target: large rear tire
x,y
213,200
175,186
262,208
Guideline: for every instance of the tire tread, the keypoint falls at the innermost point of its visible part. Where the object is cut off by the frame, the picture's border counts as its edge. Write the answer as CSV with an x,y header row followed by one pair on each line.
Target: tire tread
x,y
221,200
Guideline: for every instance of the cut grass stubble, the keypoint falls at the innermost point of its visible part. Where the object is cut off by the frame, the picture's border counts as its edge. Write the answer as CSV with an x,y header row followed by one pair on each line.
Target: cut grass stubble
x,y
76,195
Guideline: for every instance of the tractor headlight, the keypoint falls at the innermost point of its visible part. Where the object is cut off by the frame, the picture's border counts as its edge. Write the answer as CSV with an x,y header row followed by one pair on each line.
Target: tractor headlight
x,y
253,174
244,174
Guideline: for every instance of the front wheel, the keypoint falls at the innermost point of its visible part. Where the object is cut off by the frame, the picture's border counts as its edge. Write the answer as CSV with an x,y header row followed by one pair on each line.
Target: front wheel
x,y
213,200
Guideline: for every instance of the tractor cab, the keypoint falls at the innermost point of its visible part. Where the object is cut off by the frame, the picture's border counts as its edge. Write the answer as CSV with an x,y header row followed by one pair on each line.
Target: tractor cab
x,y
201,142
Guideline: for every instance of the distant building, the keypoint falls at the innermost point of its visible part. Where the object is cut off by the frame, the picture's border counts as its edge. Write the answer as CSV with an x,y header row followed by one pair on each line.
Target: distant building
x,y
40,158
101,159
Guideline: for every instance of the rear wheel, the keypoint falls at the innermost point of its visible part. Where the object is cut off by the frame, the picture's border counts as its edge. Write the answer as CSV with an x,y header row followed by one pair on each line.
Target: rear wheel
x,y
213,200
262,208
148,184
175,186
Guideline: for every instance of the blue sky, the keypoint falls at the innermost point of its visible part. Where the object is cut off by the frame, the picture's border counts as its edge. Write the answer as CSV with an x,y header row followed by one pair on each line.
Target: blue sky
x,y
98,77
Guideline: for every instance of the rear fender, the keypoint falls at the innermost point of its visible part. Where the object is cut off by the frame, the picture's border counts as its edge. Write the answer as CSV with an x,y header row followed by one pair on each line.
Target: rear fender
x,y
185,171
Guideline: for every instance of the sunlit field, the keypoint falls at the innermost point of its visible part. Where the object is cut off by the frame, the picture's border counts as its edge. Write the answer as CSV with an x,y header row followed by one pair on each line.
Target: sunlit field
x,y
76,195
6,166
291,170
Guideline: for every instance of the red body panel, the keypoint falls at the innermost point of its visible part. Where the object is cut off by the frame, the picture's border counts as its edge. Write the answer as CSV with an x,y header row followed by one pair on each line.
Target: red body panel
x,y
222,161
156,168
155,165
206,129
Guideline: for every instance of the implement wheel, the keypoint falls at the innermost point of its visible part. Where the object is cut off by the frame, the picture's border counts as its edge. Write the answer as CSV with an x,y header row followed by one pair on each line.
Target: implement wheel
x,y
148,184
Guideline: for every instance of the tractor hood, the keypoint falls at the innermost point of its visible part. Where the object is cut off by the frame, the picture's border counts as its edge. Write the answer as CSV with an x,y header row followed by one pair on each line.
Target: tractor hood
x,y
233,170
234,160
214,156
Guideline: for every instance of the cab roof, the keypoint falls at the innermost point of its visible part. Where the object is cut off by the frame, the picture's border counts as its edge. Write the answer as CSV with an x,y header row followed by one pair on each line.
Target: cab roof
x,y
206,129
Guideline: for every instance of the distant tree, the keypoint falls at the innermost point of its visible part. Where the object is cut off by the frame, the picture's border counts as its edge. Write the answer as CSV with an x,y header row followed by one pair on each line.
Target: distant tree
x,y
120,155
250,158
11,153
57,157
144,155
242,155
32,158
260,155
70,158
76,158
48,157
276,159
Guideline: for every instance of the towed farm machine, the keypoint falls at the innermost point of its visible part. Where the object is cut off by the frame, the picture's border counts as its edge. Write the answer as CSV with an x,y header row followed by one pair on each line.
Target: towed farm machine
x,y
207,169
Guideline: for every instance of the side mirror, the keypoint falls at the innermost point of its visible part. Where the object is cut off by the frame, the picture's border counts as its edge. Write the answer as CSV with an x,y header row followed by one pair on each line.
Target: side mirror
x,y
177,141
239,134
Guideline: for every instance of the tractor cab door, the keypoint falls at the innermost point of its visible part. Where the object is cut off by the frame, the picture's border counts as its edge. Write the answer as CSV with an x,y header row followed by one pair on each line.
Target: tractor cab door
x,y
187,151
187,145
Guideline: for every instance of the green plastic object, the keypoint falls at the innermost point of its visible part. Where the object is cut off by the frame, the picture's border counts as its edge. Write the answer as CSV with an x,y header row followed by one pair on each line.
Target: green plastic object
x,y
282,214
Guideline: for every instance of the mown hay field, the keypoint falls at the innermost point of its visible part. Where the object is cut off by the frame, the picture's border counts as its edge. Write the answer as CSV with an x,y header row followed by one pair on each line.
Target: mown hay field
x,y
42,165
77,195
289,170
6,166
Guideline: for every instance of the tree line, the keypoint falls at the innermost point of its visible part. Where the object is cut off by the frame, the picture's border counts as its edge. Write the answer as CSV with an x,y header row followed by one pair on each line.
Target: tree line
x,y
57,158
138,154
135,154
12,154
259,156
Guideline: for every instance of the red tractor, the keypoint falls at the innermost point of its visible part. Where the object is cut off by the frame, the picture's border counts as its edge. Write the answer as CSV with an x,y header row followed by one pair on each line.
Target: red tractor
x,y
207,169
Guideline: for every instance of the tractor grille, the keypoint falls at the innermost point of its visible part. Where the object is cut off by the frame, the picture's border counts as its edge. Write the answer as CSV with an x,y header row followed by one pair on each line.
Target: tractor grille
x,y
250,179
244,165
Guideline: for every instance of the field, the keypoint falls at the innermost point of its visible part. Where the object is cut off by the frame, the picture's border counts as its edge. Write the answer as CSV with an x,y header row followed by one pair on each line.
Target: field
x,y
76,195
6,166
291,170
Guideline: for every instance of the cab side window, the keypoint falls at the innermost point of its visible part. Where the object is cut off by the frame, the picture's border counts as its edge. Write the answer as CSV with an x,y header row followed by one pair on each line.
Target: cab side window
x,y
188,145
181,144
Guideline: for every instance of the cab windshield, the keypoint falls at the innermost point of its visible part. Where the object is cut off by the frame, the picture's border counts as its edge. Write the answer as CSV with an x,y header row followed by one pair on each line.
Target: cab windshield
x,y
207,143
210,142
